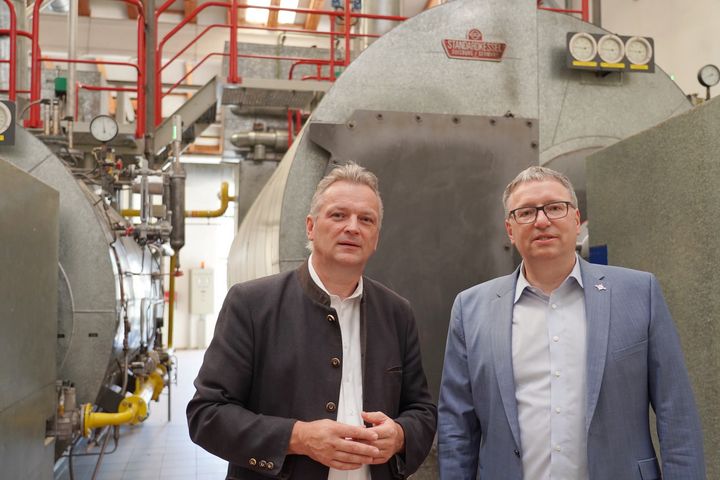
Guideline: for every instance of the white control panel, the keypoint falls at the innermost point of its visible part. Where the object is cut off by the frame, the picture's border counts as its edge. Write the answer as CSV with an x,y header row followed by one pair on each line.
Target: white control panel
x,y
201,291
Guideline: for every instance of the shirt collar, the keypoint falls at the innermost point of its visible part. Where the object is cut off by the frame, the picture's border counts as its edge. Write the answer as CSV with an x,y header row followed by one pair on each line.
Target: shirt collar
x,y
316,278
523,283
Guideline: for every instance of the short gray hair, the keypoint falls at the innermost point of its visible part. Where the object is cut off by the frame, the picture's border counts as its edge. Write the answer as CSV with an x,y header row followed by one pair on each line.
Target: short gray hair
x,y
537,174
350,172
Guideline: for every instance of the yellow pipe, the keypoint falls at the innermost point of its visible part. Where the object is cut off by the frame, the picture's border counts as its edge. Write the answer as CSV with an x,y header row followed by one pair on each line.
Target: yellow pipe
x,y
133,409
225,200
171,302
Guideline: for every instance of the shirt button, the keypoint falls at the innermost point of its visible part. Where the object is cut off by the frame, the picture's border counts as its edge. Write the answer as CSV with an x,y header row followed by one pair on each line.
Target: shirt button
x,y
263,464
557,410
330,406
252,462
557,448
335,362
330,318
556,338
270,465
554,306
516,452
557,373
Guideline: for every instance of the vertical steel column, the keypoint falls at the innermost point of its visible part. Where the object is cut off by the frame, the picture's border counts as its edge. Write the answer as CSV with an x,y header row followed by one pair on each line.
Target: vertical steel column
x,y
348,6
151,80
70,97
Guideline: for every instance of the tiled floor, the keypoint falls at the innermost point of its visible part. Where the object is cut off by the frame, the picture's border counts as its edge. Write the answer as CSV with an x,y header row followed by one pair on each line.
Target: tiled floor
x,y
158,449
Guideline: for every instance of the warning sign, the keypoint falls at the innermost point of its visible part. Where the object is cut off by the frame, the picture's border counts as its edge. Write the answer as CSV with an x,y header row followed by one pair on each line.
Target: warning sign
x,y
473,48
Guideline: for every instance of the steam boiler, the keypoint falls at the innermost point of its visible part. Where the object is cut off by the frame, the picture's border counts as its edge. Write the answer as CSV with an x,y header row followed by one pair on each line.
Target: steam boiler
x,y
445,128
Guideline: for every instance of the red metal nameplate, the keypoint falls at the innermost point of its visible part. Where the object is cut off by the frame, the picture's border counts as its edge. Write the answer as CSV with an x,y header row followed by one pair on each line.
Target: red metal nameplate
x,y
473,48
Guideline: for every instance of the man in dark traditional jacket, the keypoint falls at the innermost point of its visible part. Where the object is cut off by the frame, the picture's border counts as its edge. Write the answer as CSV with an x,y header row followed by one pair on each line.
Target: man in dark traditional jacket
x,y
316,373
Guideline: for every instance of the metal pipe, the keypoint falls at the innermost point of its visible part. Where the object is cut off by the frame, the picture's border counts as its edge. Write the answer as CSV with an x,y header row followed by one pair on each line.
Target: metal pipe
x,y
233,76
72,53
34,120
225,200
276,139
171,300
177,189
133,409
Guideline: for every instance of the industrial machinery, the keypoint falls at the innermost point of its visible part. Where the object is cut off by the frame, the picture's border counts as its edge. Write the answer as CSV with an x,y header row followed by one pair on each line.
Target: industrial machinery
x,y
108,349
446,109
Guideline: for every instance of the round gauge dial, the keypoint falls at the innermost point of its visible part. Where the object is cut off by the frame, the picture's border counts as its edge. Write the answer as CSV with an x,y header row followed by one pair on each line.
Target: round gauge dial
x,y
5,117
103,128
638,50
611,49
709,76
583,47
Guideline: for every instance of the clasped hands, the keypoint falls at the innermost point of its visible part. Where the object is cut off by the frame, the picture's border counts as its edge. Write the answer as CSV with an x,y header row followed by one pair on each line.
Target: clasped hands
x,y
348,447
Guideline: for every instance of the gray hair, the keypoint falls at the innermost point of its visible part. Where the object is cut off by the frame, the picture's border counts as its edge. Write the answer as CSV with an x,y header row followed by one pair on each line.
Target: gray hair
x,y
350,172
537,174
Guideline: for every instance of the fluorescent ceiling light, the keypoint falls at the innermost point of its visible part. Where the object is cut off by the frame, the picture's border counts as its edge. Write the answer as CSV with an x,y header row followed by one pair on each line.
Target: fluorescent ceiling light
x,y
285,16
258,15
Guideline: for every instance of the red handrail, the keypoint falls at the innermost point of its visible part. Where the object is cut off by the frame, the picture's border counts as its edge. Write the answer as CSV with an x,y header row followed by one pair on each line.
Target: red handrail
x,y
584,11
12,87
95,88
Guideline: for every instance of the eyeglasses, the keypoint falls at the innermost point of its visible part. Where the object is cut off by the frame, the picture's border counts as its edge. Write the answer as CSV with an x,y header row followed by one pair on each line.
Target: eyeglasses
x,y
552,211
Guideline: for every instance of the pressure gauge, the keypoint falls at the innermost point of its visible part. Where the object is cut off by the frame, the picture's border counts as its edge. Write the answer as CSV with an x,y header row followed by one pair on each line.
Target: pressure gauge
x,y
611,49
582,47
709,76
103,128
638,50
5,118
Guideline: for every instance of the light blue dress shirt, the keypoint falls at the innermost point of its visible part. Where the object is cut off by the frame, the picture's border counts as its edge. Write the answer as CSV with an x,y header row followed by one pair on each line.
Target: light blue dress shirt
x,y
549,357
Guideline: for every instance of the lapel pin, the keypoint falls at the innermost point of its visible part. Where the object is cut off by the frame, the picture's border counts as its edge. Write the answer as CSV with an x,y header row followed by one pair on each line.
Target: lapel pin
x,y
600,287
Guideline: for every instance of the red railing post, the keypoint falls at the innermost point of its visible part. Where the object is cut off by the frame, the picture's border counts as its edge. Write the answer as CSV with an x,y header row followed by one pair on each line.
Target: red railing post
x,y
586,10
348,20
233,76
34,121
332,48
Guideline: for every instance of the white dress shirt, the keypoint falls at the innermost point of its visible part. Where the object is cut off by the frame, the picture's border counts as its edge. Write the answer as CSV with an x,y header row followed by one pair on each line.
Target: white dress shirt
x,y
351,394
549,365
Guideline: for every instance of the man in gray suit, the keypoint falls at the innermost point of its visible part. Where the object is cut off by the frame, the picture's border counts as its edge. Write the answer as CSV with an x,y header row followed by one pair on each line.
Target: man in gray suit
x,y
550,371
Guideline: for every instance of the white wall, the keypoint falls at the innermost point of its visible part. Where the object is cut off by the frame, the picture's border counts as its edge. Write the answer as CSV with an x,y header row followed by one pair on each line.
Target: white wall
x,y
206,240
685,34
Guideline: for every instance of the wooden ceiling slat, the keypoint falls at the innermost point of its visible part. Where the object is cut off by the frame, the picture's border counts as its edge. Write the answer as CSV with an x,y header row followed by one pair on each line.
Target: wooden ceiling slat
x,y
84,8
312,21
188,7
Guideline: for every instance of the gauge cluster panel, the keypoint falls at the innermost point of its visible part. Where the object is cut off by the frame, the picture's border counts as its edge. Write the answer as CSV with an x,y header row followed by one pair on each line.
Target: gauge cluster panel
x,y
7,122
606,52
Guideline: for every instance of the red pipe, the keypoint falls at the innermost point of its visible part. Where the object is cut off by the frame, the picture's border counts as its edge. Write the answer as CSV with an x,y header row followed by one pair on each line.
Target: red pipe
x,y
95,88
90,62
318,63
141,99
586,10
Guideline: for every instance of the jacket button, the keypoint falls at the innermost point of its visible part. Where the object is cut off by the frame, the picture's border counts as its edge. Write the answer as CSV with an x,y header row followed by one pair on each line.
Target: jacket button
x,y
330,406
270,465
517,453
262,463
252,462
330,318
335,362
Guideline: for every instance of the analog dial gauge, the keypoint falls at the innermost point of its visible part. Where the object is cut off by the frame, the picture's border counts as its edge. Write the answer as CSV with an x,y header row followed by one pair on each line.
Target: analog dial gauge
x,y
103,128
583,47
709,76
638,50
5,117
611,49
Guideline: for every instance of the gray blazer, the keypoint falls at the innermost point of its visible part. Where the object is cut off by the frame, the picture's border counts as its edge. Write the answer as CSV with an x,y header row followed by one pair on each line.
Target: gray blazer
x,y
634,361
275,358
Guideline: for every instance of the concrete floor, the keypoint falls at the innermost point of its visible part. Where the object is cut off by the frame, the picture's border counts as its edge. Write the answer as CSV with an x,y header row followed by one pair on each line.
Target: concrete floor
x,y
156,449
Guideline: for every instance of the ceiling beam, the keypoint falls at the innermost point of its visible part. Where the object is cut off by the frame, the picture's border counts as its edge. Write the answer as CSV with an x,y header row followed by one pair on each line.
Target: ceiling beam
x,y
312,21
273,15
84,8
188,7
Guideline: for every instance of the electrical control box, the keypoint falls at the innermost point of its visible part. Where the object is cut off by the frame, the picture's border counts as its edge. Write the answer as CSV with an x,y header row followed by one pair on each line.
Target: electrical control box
x,y
201,291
